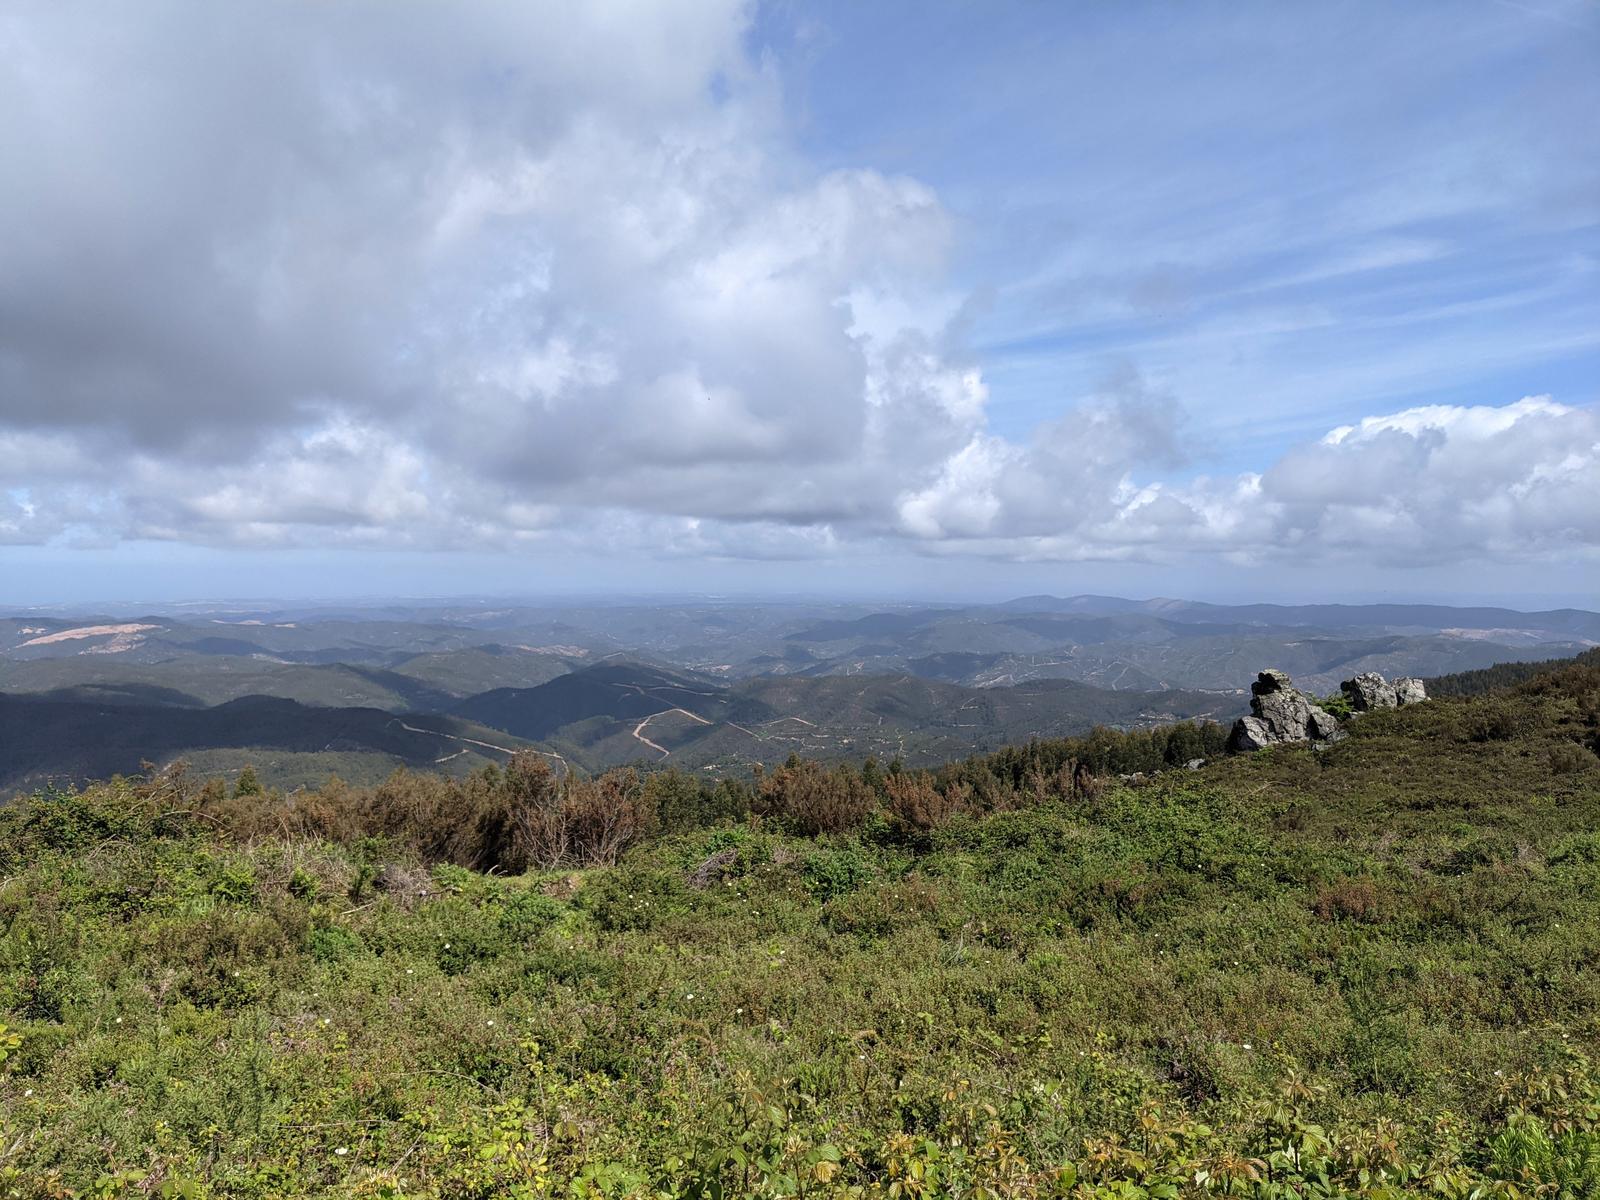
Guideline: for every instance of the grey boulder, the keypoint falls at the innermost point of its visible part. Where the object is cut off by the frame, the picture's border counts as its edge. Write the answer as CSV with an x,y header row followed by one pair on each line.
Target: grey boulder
x,y
1409,691
1251,733
1369,691
1321,724
1280,714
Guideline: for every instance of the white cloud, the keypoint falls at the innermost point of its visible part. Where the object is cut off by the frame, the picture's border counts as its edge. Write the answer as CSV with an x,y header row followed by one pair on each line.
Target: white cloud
x,y
1441,482
499,277
1422,486
1476,424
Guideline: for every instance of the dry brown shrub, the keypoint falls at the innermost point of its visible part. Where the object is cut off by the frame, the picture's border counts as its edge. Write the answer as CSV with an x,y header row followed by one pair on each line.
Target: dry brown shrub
x,y
915,802
607,815
438,819
331,812
522,817
1347,899
812,800
555,822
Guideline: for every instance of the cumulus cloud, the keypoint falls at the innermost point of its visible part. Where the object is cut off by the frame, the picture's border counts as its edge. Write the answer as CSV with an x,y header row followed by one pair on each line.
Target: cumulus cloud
x,y
1427,485
300,274
1441,482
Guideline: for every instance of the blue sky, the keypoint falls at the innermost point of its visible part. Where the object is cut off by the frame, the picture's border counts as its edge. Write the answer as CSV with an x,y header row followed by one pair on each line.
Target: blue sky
x,y
1291,216
1223,300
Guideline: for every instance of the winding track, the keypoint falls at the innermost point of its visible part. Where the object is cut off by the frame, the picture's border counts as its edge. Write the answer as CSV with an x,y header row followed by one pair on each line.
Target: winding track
x,y
638,730
506,750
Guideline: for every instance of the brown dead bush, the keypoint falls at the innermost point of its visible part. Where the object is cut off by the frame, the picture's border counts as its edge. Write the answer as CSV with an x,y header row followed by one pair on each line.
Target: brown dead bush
x,y
915,802
810,799
1347,899
586,822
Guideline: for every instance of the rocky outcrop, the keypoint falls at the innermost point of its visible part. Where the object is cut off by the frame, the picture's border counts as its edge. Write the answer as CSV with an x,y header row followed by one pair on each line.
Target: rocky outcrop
x,y
1251,733
1370,691
1409,691
1281,714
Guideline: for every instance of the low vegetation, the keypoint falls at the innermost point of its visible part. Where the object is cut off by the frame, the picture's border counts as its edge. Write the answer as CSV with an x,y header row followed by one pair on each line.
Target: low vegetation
x,y
1368,971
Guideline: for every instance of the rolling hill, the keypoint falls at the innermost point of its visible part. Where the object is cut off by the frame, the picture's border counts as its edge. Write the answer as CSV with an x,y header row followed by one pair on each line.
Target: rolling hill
x,y
704,683
65,739
617,713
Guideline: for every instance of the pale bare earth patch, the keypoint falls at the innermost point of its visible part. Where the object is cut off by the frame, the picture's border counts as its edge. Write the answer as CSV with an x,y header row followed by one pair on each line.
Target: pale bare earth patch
x,y
123,636
1505,637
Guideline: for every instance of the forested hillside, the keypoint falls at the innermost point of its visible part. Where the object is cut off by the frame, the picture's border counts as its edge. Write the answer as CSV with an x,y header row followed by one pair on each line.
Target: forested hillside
x,y
593,718
73,737
1368,971
1504,675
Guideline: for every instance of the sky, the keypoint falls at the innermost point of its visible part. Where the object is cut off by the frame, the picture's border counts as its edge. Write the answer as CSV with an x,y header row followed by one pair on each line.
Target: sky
x,y
953,300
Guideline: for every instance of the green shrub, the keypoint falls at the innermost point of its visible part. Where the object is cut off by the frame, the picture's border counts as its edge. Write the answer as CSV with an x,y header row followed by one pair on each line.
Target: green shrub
x,y
331,944
830,873
634,898
1337,705
526,914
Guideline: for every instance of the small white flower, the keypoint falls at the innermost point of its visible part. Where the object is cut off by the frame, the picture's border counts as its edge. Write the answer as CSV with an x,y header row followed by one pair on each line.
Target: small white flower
x,y
447,945
118,1021
1497,1074
342,1151
1247,1046
491,1024
409,971
689,996
27,1093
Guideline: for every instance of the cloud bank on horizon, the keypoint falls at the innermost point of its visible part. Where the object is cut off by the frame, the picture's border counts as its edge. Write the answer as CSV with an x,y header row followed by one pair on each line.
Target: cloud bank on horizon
x,y
616,277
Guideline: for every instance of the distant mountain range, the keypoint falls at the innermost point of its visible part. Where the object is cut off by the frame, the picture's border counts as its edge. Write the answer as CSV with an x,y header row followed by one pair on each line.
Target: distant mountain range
x,y
702,683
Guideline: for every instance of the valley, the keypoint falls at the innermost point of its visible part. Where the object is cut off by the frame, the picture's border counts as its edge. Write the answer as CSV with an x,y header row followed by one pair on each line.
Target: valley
x,y
716,686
